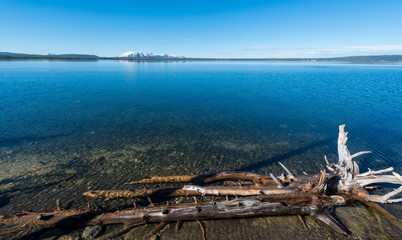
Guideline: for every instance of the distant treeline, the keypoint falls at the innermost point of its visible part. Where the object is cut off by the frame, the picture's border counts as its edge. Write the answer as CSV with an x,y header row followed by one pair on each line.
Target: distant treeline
x,y
378,58
61,57
351,59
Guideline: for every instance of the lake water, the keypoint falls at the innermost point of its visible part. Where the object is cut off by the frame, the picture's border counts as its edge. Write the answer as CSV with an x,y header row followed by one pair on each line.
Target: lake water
x,y
69,127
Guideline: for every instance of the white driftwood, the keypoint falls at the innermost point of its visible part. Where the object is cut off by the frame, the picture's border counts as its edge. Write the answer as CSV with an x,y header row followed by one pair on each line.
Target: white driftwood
x,y
280,184
238,190
329,165
370,172
367,180
351,179
291,176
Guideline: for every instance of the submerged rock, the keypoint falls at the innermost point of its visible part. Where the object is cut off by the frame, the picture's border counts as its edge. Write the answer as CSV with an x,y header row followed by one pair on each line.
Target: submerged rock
x,y
92,232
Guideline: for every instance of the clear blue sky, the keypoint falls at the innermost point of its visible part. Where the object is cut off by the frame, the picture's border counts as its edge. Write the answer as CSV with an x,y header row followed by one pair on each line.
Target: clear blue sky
x,y
203,28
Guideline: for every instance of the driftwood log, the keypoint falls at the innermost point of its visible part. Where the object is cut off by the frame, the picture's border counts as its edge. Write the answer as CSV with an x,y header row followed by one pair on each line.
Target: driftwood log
x,y
256,195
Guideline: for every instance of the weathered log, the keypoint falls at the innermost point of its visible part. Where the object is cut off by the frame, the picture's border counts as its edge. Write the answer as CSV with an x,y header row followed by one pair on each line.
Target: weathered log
x,y
265,185
303,183
165,192
240,190
207,178
191,190
307,204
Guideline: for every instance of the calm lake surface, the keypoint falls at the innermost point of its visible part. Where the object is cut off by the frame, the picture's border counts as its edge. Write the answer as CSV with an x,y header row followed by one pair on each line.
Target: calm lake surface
x,y
70,127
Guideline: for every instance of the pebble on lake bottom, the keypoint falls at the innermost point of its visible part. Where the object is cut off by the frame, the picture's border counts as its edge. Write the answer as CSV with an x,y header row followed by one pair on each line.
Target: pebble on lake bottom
x,y
92,232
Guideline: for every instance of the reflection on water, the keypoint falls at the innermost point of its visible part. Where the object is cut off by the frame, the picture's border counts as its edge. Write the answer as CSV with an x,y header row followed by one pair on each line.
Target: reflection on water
x,y
67,127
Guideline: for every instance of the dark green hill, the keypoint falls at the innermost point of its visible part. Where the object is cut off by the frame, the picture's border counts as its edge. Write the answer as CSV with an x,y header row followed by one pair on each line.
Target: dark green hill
x,y
378,58
10,56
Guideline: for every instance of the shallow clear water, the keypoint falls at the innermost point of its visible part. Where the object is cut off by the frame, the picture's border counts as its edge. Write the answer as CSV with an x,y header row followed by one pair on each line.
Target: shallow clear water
x,y
66,127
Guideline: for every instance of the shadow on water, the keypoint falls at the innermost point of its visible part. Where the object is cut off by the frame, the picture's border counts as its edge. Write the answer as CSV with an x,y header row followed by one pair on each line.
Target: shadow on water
x,y
282,157
4,200
7,142
23,189
66,226
5,181
24,184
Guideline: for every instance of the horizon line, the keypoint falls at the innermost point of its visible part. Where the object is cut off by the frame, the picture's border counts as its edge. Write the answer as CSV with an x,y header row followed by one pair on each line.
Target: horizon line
x,y
92,56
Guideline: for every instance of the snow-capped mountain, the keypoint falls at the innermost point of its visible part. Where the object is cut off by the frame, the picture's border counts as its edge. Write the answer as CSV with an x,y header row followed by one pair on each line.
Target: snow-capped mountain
x,y
146,55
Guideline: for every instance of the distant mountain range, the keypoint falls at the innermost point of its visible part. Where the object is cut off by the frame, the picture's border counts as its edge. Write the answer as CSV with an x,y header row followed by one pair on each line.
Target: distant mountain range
x,y
146,55
143,56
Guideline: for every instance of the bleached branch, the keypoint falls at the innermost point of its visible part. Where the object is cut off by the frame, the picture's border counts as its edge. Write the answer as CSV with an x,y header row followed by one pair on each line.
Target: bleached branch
x,y
391,194
394,200
291,176
330,168
370,172
280,185
367,180
359,153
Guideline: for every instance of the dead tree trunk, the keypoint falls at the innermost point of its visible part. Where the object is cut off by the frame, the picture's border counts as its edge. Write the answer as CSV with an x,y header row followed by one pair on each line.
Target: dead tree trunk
x,y
306,204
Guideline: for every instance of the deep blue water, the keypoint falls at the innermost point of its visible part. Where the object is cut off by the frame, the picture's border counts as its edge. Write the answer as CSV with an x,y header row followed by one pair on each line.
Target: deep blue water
x,y
80,125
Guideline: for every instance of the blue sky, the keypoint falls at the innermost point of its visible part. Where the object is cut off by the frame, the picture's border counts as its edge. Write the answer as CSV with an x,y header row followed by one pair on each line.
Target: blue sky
x,y
203,28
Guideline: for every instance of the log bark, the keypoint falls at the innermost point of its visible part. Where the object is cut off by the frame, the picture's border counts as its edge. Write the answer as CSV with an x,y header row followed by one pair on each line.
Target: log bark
x,y
308,204
165,192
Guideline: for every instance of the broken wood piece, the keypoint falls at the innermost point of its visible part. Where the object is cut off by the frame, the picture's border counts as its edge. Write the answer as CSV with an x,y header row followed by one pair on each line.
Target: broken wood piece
x,y
302,221
326,160
178,226
291,176
58,205
156,229
204,236
370,179
387,196
320,184
370,172
329,165
149,200
280,184
167,179
359,153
